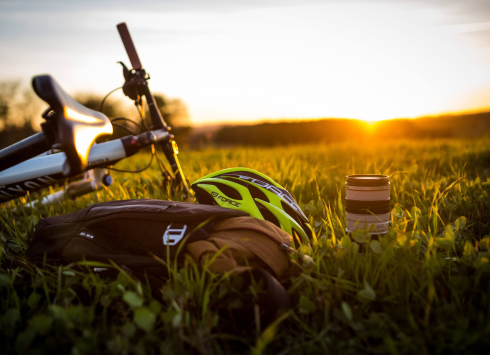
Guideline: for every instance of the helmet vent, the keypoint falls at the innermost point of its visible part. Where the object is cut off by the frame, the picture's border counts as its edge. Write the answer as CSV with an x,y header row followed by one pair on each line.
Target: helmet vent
x,y
290,212
268,215
256,193
202,196
230,192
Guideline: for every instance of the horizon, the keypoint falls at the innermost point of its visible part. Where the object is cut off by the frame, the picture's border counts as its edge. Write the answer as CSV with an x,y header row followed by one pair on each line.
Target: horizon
x,y
234,63
310,119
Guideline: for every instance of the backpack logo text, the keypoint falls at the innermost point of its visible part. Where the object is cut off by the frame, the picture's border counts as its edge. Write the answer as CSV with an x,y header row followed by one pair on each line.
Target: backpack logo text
x,y
86,235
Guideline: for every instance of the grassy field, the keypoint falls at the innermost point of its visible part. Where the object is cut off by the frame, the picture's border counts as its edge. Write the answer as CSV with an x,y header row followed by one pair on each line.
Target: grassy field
x,y
423,288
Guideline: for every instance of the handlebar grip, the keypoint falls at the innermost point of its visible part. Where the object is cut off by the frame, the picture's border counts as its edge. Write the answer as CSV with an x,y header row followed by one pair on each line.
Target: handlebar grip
x,y
129,45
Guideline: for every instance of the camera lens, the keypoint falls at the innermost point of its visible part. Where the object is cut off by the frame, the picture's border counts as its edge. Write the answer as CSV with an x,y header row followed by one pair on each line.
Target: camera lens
x,y
367,203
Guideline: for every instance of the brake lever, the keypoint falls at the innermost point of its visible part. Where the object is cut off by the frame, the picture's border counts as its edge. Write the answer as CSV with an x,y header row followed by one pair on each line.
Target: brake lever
x,y
126,72
134,82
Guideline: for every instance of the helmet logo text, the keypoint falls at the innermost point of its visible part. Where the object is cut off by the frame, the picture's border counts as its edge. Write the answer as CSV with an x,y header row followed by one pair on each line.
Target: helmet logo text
x,y
273,189
225,199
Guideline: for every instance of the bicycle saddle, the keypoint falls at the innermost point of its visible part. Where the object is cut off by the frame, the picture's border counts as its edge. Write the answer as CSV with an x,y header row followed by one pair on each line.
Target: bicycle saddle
x,y
78,126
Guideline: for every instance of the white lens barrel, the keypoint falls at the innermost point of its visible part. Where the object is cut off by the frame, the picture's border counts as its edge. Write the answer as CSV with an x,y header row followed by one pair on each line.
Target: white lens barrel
x,y
360,193
367,203
376,224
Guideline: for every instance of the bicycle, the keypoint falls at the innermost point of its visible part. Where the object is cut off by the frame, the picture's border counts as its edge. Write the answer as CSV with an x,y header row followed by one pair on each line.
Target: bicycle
x,y
65,147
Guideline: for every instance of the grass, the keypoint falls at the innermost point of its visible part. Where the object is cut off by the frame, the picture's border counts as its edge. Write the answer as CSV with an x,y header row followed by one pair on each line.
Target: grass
x,y
423,288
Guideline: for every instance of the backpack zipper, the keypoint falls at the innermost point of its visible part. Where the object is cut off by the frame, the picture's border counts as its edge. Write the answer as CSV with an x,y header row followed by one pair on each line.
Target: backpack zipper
x,y
127,207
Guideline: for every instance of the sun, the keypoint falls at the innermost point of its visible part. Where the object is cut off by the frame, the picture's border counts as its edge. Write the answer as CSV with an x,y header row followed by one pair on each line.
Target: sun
x,y
371,118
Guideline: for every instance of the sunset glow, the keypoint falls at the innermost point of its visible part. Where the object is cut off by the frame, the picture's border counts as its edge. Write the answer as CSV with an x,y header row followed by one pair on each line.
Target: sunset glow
x,y
365,60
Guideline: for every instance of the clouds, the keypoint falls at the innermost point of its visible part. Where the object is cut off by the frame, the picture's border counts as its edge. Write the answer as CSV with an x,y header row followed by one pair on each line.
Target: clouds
x,y
462,11
255,59
468,11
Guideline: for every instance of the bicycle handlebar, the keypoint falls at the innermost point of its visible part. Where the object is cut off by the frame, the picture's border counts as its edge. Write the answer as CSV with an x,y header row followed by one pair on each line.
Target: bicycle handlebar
x,y
136,86
129,45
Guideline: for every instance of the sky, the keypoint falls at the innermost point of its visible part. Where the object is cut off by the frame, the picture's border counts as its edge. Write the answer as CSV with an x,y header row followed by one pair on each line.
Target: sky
x,y
236,61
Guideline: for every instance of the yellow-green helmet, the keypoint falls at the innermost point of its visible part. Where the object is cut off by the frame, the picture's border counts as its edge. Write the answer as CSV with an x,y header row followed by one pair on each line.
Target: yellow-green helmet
x,y
255,193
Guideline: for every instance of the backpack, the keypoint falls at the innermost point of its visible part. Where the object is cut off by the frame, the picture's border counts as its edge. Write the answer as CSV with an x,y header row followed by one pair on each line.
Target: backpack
x,y
129,232
126,232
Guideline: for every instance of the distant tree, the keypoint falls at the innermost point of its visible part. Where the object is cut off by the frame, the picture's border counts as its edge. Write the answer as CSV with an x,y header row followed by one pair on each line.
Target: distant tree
x,y
173,111
91,100
8,93
20,111
19,108
112,108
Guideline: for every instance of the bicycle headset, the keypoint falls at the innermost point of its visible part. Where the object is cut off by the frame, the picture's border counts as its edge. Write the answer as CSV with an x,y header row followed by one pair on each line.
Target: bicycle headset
x,y
255,193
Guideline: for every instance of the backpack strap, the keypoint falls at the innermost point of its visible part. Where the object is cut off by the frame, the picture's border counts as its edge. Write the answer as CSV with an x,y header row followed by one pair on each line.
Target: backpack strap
x,y
270,305
244,241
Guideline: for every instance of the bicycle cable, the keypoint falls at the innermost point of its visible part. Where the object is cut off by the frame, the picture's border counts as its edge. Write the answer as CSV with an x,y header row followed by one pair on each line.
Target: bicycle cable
x,y
139,170
153,151
143,123
142,129
163,169
162,166
123,127
105,97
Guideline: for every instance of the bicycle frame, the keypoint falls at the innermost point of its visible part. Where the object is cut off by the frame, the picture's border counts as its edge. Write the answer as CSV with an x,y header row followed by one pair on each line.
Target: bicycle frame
x,y
45,170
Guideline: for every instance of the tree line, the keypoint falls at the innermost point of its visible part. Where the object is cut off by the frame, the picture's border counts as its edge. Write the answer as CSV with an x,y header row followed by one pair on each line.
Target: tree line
x,y
340,130
21,110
